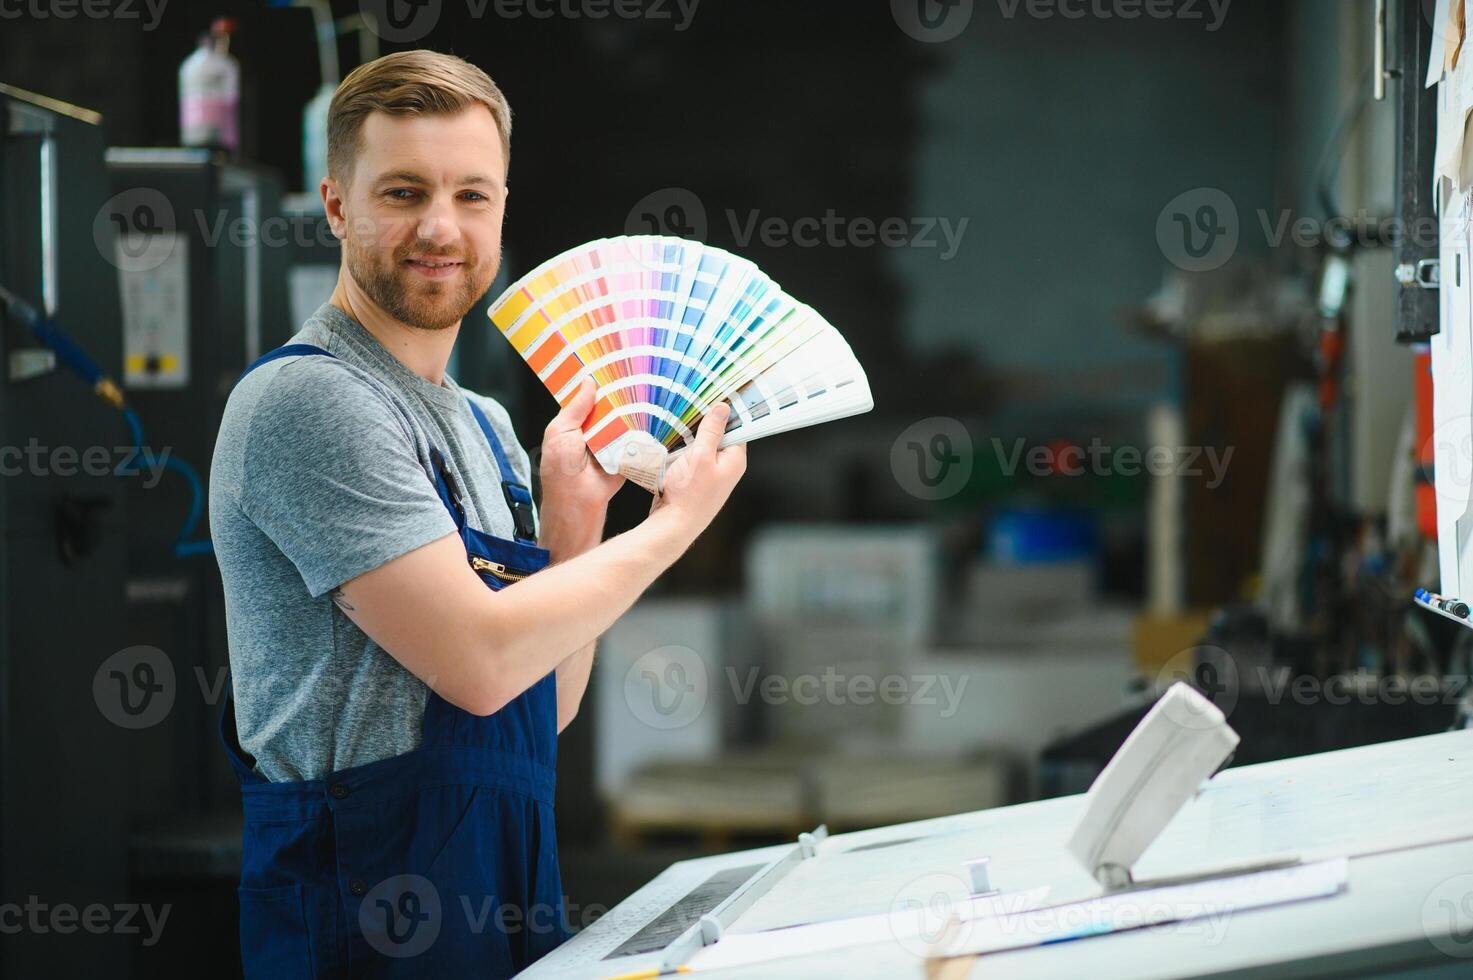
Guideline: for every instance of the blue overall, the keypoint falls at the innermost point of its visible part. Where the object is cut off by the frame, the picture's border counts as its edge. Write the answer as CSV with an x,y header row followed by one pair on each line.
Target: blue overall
x,y
441,862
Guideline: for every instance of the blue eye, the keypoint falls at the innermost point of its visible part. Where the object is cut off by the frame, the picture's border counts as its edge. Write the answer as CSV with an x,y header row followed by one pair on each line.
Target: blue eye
x,y
400,190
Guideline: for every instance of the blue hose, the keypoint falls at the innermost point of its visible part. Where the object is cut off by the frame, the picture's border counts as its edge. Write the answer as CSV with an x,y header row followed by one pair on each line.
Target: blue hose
x,y
82,365
183,547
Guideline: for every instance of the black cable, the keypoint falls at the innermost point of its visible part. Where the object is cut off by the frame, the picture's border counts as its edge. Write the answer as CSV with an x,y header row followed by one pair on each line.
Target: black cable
x,y
1328,169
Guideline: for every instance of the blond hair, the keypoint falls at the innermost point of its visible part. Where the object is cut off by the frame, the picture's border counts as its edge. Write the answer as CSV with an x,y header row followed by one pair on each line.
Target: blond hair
x,y
408,83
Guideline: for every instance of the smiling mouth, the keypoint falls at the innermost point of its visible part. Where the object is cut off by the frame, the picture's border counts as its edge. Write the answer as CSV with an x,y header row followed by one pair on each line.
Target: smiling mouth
x,y
435,269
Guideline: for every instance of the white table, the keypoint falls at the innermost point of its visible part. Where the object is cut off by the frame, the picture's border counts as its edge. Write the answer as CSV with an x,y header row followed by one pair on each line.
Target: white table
x,y
1402,811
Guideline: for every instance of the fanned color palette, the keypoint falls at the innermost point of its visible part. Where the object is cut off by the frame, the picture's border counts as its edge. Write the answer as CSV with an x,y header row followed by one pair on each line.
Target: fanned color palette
x,y
669,328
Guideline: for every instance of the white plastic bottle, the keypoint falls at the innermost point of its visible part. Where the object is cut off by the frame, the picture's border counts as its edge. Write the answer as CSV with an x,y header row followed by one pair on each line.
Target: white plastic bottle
x,y
209,92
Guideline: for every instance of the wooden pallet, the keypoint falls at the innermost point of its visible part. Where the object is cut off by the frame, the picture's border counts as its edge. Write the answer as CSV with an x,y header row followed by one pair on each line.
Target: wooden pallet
x,y
774,796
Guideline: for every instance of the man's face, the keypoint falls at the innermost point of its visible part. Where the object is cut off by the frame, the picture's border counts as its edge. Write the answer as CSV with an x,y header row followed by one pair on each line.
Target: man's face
x,y
422,214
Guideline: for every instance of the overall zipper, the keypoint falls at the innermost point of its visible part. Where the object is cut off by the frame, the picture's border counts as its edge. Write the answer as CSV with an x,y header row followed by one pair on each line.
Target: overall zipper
x,y
496,568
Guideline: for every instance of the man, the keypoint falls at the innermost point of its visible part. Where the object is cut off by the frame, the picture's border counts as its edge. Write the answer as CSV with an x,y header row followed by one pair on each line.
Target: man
x,y
399,674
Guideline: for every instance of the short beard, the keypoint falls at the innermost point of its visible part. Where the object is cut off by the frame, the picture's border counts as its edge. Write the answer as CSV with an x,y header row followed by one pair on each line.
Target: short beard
x,y
387,287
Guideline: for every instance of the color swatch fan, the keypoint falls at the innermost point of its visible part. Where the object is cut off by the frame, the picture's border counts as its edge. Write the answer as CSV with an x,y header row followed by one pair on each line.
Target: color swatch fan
x,y
669,328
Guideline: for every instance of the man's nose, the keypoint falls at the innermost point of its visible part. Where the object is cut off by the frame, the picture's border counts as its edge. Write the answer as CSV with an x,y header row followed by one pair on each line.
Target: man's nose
x,y
437,224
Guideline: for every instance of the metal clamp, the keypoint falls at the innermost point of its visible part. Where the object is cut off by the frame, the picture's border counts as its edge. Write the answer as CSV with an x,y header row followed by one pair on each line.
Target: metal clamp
x,y
1425,274
979,876
31,362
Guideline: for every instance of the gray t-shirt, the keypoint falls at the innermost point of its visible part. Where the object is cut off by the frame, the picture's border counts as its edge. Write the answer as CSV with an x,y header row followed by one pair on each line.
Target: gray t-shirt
x,y
322,472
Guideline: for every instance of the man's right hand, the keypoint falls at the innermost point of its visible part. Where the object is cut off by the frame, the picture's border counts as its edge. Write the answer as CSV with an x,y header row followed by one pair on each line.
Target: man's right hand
x,y
700,479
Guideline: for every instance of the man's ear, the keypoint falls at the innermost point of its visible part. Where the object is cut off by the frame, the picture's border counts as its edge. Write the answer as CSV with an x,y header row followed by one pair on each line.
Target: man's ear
x,y
332,206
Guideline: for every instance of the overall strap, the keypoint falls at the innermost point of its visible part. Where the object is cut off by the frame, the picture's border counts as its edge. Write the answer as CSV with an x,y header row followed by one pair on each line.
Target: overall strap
x,y
289,350
518,497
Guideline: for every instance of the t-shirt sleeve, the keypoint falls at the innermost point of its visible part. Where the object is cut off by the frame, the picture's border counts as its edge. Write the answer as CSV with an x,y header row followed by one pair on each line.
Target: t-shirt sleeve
x,y
330,474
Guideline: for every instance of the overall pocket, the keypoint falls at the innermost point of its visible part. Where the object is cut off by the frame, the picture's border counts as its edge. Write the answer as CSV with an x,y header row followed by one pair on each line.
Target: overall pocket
x,y
274,942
